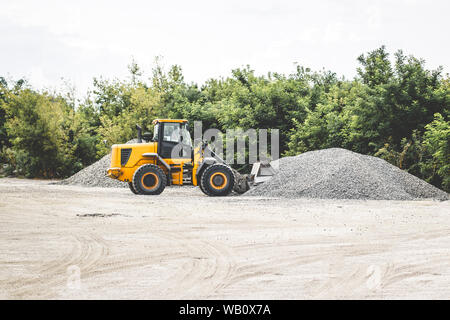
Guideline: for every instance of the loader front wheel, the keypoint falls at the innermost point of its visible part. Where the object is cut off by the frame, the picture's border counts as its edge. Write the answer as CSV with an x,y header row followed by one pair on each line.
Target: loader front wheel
x,y
149,179
217,180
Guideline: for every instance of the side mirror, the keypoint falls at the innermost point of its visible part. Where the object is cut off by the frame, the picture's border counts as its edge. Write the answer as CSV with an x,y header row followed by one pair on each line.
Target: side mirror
x,y
147,136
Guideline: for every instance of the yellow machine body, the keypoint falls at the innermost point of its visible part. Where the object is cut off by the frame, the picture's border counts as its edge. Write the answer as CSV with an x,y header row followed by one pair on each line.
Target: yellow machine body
x,y
169,158
147,153
125,173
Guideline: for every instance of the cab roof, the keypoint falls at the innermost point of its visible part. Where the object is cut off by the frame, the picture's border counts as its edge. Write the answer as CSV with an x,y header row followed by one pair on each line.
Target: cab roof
x,y
169,120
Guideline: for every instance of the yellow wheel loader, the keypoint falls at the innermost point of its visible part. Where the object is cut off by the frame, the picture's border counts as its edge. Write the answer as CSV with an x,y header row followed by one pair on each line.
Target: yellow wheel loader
x,y
168,158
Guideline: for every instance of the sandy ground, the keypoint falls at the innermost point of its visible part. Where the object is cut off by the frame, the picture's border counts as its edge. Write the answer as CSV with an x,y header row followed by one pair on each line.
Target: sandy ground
x,y
59,242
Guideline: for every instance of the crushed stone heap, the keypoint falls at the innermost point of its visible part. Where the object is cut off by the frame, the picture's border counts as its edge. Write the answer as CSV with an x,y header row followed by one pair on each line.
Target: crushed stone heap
x,y
95,175
342,174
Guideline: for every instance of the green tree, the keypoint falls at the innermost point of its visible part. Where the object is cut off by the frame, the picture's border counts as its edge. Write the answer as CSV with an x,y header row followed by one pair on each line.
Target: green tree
x,y
36,129
144,106
436,167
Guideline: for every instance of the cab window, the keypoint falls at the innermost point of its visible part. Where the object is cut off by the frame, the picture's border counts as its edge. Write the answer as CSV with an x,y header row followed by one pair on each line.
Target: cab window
x,y
186,135
155,132
171,132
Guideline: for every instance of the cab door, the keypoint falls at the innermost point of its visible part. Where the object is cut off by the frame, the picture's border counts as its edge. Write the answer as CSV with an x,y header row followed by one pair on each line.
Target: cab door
x,y
172,144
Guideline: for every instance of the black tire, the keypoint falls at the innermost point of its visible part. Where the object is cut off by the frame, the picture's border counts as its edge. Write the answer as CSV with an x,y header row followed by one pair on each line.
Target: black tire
x,y
149,179
201,188
130,184
199,182
217,180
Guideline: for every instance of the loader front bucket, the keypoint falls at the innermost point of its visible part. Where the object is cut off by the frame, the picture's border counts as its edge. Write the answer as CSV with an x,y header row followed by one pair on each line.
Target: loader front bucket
x,y
261,172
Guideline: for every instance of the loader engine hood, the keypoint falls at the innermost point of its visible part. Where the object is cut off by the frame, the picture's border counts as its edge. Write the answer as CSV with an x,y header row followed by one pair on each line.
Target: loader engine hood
x,y
127,155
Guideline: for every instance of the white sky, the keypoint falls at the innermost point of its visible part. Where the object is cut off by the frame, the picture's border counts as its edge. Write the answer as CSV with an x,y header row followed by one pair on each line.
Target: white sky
x,y
76,40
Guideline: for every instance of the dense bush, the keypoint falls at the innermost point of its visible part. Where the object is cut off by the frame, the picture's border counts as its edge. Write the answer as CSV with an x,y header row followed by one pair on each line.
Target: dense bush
x,y
397,110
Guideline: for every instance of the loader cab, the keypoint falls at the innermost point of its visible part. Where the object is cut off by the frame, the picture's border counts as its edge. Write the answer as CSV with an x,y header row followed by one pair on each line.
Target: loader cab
x,y
173,138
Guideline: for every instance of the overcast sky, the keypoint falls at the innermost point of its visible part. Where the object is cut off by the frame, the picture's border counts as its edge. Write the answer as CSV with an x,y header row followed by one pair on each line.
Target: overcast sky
x,y
77,40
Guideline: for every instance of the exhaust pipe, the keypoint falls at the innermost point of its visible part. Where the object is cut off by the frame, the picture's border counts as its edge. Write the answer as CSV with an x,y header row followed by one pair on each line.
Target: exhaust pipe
x,y
139,135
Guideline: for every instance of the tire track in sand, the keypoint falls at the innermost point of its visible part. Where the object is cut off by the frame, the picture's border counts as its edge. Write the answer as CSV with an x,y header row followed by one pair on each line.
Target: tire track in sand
x,y
207,268
86,252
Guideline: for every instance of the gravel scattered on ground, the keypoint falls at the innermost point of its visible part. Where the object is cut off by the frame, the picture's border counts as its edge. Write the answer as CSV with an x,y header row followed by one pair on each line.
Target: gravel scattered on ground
x,y
342,174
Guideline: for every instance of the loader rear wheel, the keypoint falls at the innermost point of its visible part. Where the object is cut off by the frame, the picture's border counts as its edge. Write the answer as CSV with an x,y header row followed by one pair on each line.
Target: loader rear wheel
x,y
217,180
201,187
149,179
130,184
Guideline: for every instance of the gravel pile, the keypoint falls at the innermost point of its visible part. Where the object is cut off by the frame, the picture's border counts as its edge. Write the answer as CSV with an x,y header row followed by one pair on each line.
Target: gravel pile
x,y
342,174
95,175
